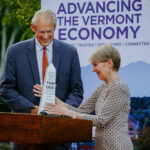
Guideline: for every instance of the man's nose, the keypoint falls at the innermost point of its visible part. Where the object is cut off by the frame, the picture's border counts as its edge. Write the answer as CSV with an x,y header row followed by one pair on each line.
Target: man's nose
x,y
46,34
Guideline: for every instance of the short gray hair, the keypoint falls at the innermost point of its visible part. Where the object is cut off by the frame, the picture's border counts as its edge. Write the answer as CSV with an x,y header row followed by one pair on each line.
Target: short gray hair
x,y
47,12
103,53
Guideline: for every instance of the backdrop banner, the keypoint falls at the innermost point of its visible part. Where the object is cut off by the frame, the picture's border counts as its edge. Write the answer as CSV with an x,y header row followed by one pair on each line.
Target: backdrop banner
x,y
89,24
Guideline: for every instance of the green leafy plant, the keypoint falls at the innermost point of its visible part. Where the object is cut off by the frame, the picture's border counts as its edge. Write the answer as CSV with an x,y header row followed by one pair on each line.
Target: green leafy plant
x,y
15,19
143,141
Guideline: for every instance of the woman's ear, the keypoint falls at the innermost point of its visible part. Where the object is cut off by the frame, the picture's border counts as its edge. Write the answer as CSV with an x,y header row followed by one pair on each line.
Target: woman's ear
x,y
110,63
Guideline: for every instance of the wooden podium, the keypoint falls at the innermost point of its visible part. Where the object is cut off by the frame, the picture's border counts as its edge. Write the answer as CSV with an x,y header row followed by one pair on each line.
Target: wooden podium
x,y
37,131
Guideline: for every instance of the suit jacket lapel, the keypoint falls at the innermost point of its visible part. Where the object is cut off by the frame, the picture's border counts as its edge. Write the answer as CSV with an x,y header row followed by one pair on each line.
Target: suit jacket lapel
x,y
56,55
31,52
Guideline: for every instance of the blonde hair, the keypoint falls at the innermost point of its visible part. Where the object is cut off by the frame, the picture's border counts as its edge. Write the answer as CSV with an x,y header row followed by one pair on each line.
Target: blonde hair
x,y
103,53
46,12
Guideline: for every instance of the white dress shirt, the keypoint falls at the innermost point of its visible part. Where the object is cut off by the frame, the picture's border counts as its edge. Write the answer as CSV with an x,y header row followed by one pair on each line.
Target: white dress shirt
x,y
39,54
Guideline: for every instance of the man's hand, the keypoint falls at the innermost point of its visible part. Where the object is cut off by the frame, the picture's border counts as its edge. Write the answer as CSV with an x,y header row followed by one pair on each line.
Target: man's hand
x,y
37,90
35,110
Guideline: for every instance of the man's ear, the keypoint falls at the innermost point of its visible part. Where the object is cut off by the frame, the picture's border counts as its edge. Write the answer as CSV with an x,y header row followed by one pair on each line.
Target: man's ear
x,y
54,27
33,28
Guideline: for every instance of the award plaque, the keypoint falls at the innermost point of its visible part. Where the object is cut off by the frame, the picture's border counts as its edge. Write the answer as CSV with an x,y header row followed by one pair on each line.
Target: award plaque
x,y
48,92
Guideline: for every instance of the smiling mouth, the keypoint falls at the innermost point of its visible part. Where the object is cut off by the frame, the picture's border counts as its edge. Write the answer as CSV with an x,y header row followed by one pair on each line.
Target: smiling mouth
x,y
98,73
45,41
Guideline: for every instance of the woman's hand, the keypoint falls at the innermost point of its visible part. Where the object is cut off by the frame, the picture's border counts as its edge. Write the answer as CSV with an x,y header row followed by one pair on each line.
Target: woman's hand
x,y
58,101
37,90
57,109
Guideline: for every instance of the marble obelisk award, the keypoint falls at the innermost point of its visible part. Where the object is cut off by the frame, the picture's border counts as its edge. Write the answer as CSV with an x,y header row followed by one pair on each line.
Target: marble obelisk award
x,y
48,92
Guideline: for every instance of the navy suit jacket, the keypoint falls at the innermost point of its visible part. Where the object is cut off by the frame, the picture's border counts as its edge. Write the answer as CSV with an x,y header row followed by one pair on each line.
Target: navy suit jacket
x,y
21,73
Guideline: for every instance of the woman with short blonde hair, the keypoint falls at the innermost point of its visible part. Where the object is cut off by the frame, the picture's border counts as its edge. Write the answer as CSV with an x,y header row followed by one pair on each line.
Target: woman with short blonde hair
x,y
110,103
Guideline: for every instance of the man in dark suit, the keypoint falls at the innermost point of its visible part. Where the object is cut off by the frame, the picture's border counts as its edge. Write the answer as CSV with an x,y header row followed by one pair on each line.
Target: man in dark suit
x,y
23,67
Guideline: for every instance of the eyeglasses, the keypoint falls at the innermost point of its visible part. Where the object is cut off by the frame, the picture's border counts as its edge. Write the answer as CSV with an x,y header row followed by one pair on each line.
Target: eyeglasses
x,y
50,31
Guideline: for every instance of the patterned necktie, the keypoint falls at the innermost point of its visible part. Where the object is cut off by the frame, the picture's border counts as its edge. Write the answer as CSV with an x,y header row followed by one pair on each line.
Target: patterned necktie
x,y
44,63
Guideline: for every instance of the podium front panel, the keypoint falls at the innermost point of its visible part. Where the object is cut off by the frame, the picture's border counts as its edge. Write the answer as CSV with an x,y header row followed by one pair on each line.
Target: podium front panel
x,y
36,129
